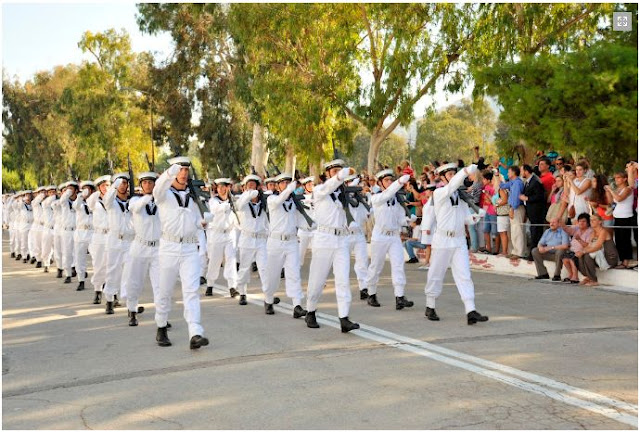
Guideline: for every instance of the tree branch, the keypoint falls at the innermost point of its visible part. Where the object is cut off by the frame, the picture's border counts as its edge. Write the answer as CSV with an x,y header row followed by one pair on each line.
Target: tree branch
x,y
372,46
562,29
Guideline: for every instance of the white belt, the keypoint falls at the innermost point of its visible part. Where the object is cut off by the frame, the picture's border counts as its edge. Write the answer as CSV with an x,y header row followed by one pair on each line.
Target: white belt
x,y
256,235
125,238
222,231
389,232
51,227
85,227
356,231
337,231
102,231
180,239
283,237
69,229
449,233
147,243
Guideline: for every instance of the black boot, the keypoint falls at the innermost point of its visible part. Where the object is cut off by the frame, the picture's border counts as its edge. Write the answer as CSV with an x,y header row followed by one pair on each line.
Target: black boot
x,y
28,257
67,280
46,269
168,325
197,341
203,281
109,309
116,303
59,275
97,298
254,267
347,325
373,301
364,294
282,273
243,300
18,257
311,320
73,272
268,309
209,291
38,265
431,314
298,312
13,255
33,260
233,292
402,302
276,300
132,319
80,286
474,317
162,338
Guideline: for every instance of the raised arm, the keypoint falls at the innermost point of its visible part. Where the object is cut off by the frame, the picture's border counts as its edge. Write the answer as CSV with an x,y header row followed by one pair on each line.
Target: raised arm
x,y
137,204
163,183
276,200
456,182
331,184
246,197
390,192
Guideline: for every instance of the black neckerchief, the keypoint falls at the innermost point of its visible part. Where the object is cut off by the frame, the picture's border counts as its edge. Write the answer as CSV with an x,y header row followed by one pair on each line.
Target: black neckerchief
x,y
454,202
287,205
177,196
253,212
151,207
101,203
86,208
124,205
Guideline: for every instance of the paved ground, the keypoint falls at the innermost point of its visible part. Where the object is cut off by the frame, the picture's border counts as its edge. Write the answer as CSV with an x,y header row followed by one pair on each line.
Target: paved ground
x,y
551,357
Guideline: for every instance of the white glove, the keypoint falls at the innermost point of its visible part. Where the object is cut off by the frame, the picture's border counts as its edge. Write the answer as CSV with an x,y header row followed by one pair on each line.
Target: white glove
x,y
85,193
413,218
293,185
174,170
482,213
355,182
343,174
146,199
117,183
472,169
404,179
253,194
207,217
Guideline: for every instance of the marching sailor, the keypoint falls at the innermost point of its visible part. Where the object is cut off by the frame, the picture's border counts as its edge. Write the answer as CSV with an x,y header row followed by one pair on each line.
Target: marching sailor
x,y
11,215
58,229
221,239
180,221
68,218
357,239
449,247
84,230
305,233
47,231
98,244
25,220
330,246
282,247
121,234
37,227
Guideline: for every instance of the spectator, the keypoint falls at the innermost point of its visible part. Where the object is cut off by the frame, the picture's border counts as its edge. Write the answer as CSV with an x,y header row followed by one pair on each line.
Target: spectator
x,y
559,163
503,164
579,188
581,235
428,226
632,175
552,246
600,201
475,190
546,177
623,217
534,201
517,211
500,200
490,228
557,201
406,168
414,241
601,252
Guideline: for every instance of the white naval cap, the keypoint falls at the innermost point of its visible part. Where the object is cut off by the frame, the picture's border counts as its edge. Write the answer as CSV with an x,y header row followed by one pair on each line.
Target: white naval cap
x,y
270,180
351,177
283,176
250,178
72,183
50,187
223,180
308,179
447,167
335,163
123,175
147,175
384,173
87,183
184,161
27,191
102,179
62,186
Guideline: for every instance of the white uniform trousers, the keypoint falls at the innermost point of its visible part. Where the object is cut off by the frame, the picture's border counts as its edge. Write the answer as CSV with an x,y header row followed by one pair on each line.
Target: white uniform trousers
x,y
218,251
305,237
358,244
187,268
47,247
135,277
117,259
57,249
202,251
99,260
13,241
68,260
283,253
80,249
322,259
458,259
36,231
31,240
247,257
24,242
379,249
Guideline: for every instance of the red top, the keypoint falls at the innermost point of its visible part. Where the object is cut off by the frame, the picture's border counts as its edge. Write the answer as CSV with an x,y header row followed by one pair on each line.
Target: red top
x,y
547,180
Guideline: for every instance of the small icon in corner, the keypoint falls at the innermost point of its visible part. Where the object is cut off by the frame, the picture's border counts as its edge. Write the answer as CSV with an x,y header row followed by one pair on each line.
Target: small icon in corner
x,y
622,21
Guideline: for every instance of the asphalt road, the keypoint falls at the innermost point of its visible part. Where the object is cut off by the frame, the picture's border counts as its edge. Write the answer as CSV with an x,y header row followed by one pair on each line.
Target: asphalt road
x,y
552,356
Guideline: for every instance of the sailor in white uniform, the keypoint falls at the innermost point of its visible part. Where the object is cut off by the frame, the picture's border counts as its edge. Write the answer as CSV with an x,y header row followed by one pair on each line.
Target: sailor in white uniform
x,y
305,233
98,244
84,230
37,227
47,226
357,239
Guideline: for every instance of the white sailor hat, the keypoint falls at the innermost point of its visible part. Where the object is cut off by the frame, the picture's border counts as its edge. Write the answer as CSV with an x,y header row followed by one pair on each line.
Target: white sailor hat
x,y
50,187
384,173
250,178
447,167
269,180
335,163
184,161
87,183
73,183
147,175
62,186
102,179
430,186
28,191
122,175
283,176
306,180
223,180
38,189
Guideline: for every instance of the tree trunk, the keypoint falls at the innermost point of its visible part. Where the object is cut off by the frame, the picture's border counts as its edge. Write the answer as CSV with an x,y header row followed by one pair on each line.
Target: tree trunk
x,y
258,149
290,153
374,149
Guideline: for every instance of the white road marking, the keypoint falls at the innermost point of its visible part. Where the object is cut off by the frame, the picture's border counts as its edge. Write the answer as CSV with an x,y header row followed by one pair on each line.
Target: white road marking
x,y
591,401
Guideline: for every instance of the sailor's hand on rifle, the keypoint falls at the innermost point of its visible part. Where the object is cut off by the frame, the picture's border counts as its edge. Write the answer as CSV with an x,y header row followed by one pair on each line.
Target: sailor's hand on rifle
x,y
174,170
292,186
482,213
146,199
207,217
253,194
343,174
404,179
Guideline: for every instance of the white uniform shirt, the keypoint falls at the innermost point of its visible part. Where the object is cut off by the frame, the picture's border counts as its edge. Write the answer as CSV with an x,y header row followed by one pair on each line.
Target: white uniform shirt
x,y
25,217
146,223
328,212
47,211
221,228
67,213
390,215
283,212
302,222
99,212
118,215
36,205
451,213
84,220
253,220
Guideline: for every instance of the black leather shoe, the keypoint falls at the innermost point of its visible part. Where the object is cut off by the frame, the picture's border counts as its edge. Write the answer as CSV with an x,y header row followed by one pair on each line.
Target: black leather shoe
x,y
28,257
116,303
364,294
282,273
140,309
67,280
254,267
373,301
18,257
209,291
73,272
33,260
276,300
431,314
233,292
80,286
203,281
311,320
86,275
473,317
59,275
38,265
268,309
169,325
13,255
25,260
556,278
161,337
542,277
243,300
109,309
299,312
413,260
46,269
132,319
97,298
402,302
347,325
197,341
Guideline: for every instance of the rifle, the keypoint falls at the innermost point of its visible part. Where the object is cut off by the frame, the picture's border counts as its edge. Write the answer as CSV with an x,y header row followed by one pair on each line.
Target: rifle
x,y
401,196
132,189
262,198
110,162
146,157
194,185
354,196
464,195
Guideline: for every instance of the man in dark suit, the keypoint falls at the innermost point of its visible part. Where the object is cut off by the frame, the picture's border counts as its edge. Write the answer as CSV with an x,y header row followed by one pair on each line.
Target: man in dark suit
x,y
535,204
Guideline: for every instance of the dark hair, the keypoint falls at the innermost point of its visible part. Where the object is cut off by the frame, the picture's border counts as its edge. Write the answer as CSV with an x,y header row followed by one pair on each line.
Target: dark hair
x,y
567,167
584,216
487,175
599,194
515,169
527,167
583,164
545,159
460,163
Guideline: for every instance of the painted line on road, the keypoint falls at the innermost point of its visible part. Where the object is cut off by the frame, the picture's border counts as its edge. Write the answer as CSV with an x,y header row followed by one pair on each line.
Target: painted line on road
x,y
593,402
